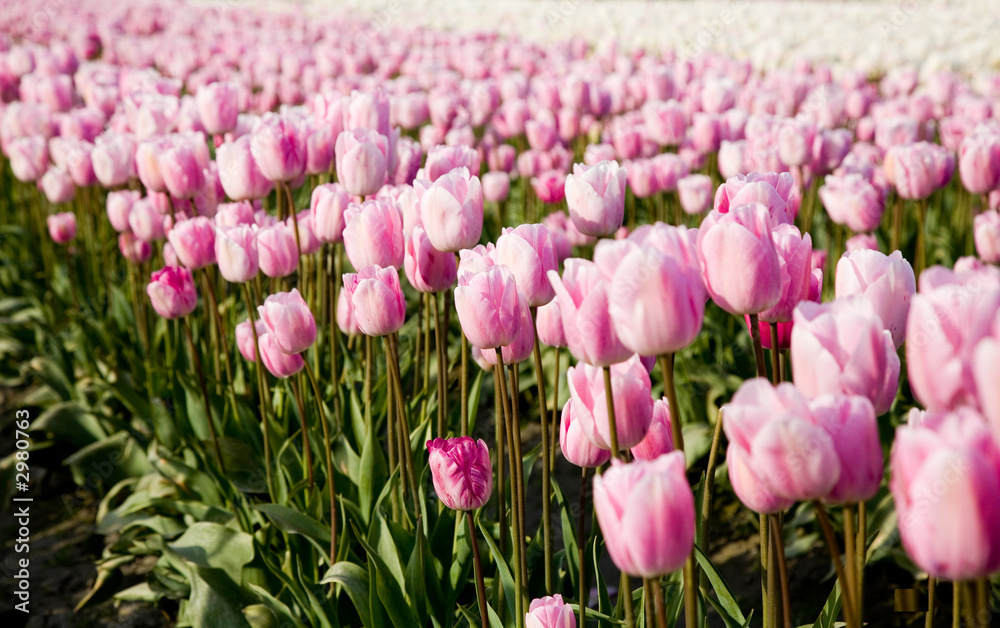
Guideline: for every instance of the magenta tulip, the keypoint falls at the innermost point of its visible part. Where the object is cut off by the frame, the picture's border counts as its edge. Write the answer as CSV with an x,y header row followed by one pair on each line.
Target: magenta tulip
x,y
171,291
523,344
181,172
373,234
133,249
194,242
850,421
461,471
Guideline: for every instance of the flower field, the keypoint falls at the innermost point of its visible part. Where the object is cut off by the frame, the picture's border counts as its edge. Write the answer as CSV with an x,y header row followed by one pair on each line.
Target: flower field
x,y
554,314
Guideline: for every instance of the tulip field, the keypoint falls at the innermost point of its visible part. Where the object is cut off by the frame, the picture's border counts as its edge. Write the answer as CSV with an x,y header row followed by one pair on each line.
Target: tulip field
x,y
324,318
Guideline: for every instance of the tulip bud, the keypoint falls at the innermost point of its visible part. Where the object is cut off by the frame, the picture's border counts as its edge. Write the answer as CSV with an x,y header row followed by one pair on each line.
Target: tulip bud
x,y
377,301
373,235
193,241
236,253
277,252
289,320
461,471
171,292
62,227
595,196
451,210
633,405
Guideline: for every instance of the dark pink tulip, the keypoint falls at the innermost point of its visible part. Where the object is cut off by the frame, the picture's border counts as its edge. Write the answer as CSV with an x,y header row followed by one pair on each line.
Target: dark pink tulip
x,y
595,196
328,204
488,306
29,158
193,241
646,513
987,236
427,269
62,227
279,363
171,291
218,107
451,210
696,193
289,320
583,296
278,146
742,271
461,472
57,186
630,387
245,338
850,421
376,298
373,234
528,251
113,159
659,439
549,186
945,474
520,349
887,281
575,446
853,201
362,161
795,255
241,178
277,252
133,249
236,253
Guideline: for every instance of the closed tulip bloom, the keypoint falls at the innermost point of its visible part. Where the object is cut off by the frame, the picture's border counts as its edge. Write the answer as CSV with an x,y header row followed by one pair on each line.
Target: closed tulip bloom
x,y
133,249
367,109
549,186
451,210
241,178
642,178
277,253
194,242
443,159
461,471
886,280
949,316
657,300
549,322
979,163
945,475
377,301
732,158
308,242
488,307
777,454
595,196
362,161
346,320
119,205
245,338
630,387
659,439
985,371
549,612
171,291
29,158
853,201
541,134
795,255
62,227
861,242
795,140
918,169
218,107
741,267
57,186
182,174
576,447
496,186
529,253
987,235
169,256
278,146
145,222
665,122
289,319
373,234
696,193
850,421
232,214
147,162
706,132
236,253
113,159
524,343
669,169
646,513
427,269
278,362
328,204
583,297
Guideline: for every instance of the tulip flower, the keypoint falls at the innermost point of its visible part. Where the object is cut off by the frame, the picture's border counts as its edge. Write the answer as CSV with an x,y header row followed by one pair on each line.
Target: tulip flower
x,y
133,249
583,297
427,269
236,253
795,257
373,234
241,178
289,320
461,471
576,447
523,344
346,320
659,439
549,612
57,186
987,236
362,160
278,146
646,513
62,227
147,162
496,186
277,252
376,298
451,210
145,221
633,405
181,172
887,281
232,214
29,158
595,196
367,109
853,201
696,193
488,307
528,251
119,206
549,186
550,327
918,169
279,363
113,159
193,241
861,242
171,291
328,204
979,163
443,159
245,338
850,421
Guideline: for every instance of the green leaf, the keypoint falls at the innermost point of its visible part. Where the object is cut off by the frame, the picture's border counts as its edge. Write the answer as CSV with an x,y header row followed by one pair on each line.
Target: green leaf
x,y
400,613
603,599
215,600
294,522
381,539
506,579
277,606
568,533
726,598
828,616
70,422
211,545
590,613
354,579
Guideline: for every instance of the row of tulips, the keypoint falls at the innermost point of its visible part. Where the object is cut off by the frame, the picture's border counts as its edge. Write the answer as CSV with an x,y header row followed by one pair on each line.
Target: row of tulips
x,y
203,181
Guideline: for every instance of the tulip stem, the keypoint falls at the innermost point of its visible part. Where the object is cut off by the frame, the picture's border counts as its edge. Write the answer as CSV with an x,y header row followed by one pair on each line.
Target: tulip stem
x,y
670,390
897,224
514,505
706,504
427,340
850,538
779,546
221,335
625,598
261,388
392,345
554,424
612,423
758,348
546,455
328,455
204,393
929,616
442,368
775,361
982,601
581,544
690,593
295,223
501,480
831,542
306,446
969,603
463,420
765,543
860,558
515,413
956,604
658,605
480,585
920,255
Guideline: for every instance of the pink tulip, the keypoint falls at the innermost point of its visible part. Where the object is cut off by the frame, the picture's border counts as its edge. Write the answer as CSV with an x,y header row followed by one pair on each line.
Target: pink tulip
x,y
945,474
427,269
595,196
853,201
549,612
29,158
488,307
145,221
665,122
236,253
659,439
528,251
62,227
319,150
280,364
278,146
241,178
289,320
918,169
669,169
218,107
368,109
496,186
373,234
887,281
850,422
696,193
776,191
57,186
362,160
308,242
583,297
377,300
979,163
451,210
630,387
443,159
985,369
706,132
113,159
742,270
461,471
861,242
147,162
119,206
646,513
987,236
346,320
549,186
245,338
549,321
795,257
171,291
408,155
133,249
777,452
328,204
576,447
232,214
277,253
193,241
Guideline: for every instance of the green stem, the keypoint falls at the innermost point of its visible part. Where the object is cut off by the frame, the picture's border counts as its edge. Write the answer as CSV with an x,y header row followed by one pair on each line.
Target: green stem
x,y
480,585
758,348
404,422
546,455
612,422
775,362
306,445
261,389
670,390
850,538
929,616
204,393
514,507
515,413
554,423
831,542
779,546
442,369
765,543
658,605
956,604
581,547
706,504
328,455
860,558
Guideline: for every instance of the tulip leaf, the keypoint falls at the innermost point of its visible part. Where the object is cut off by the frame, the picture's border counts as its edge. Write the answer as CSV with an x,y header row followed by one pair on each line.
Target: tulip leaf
x,y
416,576
603,599
828,616
294,522
400,613
506,579
380,537
212,545
569,534
354,579
726,598
590,613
